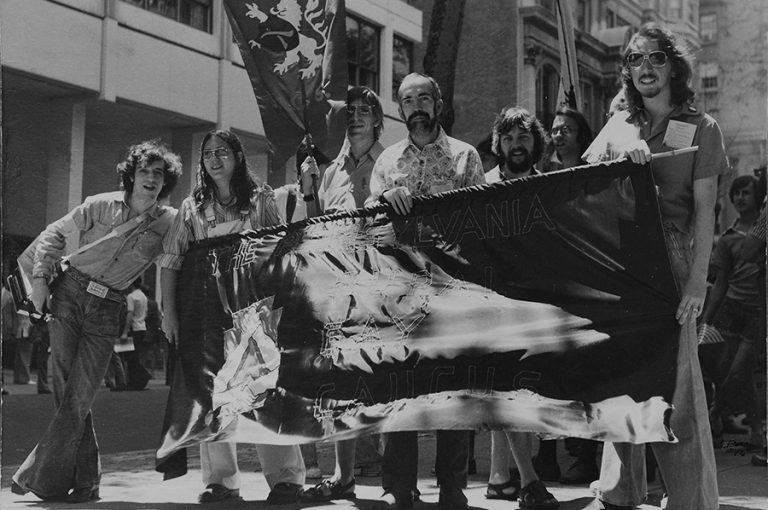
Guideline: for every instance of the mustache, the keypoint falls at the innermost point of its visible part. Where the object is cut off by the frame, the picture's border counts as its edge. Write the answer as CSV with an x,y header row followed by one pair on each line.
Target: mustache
x,y
420,116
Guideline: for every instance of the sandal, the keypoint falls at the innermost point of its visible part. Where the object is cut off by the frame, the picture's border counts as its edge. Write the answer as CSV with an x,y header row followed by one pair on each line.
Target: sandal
x,y
507,490
328,490
535,496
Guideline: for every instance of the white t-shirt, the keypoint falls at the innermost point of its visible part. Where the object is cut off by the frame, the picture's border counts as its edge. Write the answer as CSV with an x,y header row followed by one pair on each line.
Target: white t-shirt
x,y
281,199
137,306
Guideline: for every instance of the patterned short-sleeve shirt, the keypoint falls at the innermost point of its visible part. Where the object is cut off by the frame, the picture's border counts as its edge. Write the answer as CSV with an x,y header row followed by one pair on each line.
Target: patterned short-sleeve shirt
x,y
443,165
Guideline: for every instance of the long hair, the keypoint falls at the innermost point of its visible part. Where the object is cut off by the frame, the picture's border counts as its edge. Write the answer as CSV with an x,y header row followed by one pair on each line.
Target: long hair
x,y
585,132
678,56
144,154
514,116
241,185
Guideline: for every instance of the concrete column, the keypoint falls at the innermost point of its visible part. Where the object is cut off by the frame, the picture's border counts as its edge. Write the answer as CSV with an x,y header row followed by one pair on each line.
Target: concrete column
x,y
109,60
385,61
66,153
527,92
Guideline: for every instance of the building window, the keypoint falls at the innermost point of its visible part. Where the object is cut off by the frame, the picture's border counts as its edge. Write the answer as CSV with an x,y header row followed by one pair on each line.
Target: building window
x,y
402,62
708,27
610,18
546,94
195,13
362,53
708,73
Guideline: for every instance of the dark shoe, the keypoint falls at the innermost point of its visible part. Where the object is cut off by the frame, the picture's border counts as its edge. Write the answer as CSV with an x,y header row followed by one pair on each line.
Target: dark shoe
x,y
547,472
388,501
328,490
216,492
18,489
452,500
83,495
580,472
283,493
44,391
598,504
507,490
536,497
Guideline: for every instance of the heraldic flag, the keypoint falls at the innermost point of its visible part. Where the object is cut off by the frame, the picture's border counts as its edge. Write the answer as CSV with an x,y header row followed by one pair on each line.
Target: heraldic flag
x,y
543,304
295,55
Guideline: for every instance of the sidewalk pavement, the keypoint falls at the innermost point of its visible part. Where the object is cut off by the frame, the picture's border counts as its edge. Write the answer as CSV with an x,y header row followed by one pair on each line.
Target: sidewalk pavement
x,y
130,482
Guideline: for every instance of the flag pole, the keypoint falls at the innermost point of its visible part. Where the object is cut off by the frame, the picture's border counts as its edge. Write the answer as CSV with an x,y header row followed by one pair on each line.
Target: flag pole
x,y
308,143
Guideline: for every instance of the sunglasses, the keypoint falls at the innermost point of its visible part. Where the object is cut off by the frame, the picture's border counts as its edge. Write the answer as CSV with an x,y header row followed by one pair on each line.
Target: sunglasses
x,y
220,153
656,58
364,110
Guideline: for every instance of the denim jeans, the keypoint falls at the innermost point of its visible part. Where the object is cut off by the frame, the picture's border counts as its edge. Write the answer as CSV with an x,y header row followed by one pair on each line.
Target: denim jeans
x,y
688,466
82,335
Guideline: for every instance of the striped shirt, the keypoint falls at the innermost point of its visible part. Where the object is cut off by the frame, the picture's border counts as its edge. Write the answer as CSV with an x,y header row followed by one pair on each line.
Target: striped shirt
x,y
191,223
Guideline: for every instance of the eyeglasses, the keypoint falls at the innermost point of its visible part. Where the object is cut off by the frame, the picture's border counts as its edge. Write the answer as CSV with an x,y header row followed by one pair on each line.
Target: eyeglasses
x,y
564,130
656,58
221,153
363,110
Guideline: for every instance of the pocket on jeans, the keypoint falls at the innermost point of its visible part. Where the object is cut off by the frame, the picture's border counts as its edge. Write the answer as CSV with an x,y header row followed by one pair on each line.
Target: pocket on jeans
x,y
110,318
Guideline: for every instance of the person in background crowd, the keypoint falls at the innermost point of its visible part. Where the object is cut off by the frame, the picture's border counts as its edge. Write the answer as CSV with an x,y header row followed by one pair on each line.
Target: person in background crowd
x,y
753,250
8,309
426,162
571,136
225,201
42,342
89,308
22,352
656,74
136,328
487,157
345,186
733,308
519,140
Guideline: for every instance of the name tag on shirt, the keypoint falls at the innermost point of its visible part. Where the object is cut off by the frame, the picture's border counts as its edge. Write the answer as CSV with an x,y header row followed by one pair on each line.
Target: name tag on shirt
x,y
679,135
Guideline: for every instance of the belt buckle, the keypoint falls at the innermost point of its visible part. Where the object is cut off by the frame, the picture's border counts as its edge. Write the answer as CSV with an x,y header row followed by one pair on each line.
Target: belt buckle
x,y
97,289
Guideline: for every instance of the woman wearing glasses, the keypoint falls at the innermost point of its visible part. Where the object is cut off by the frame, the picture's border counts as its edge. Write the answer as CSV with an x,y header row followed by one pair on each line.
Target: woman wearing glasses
x,y
225,201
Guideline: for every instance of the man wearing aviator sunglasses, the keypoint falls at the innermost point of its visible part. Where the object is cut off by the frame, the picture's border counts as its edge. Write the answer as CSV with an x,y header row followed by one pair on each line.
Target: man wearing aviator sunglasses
x,y
345,184
659,117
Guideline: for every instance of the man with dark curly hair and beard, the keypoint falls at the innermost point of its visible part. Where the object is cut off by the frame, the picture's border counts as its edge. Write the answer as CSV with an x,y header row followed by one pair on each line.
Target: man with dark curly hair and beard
x,y
656,74
88,306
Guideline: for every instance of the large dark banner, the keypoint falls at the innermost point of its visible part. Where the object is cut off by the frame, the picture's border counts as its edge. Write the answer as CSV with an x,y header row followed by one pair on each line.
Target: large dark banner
x,y
295,54
544,304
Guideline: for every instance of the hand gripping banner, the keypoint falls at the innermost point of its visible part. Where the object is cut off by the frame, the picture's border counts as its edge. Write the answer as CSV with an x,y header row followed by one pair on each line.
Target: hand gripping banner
x,y
295,54
544,304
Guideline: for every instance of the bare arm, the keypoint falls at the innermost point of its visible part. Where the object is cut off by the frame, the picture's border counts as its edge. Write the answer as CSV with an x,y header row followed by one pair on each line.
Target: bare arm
x,y
170,323
694,291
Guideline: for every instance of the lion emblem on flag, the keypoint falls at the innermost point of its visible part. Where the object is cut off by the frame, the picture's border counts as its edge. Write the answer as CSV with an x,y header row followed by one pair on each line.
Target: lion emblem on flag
x,y
299,34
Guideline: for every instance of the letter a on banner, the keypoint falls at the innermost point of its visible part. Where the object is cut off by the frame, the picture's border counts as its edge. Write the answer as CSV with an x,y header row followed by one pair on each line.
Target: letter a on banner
x,y
296,58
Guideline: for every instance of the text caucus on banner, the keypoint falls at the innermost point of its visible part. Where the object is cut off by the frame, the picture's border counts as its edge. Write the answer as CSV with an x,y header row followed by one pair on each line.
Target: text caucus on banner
x,y
543,304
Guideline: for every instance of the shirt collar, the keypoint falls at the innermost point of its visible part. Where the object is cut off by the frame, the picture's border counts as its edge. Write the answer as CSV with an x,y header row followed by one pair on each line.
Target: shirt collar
x,y
373,152
122,198
441,142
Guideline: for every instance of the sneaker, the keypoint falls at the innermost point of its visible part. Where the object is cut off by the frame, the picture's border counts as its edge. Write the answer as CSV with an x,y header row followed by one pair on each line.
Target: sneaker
x,y
535,496
580,472
215,492
283,493
328,490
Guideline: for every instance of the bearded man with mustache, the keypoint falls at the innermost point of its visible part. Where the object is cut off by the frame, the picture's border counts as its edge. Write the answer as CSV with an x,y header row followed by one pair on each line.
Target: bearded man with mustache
x,y
426,162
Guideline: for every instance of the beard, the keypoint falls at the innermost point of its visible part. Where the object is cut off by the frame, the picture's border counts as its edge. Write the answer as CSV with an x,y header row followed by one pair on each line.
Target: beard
x,y
420,121
518,167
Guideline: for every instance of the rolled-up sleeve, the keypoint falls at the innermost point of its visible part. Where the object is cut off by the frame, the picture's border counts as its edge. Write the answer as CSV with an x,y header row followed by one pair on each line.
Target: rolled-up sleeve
x,y
52,242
